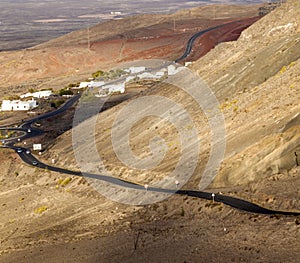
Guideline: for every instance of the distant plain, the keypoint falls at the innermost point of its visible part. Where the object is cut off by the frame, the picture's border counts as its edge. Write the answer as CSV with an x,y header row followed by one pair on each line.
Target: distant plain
x,y
27,23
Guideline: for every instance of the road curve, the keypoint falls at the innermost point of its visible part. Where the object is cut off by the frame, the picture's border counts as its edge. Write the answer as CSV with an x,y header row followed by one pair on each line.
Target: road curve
x,y
28,158
31,132
227,200
194,37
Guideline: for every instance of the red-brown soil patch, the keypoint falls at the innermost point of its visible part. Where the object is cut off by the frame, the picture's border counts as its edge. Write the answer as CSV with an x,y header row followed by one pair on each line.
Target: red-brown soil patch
x,y
52,66
227,33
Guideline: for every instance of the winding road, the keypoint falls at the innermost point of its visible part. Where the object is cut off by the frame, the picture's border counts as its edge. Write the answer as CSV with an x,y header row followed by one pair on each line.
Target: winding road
x,y
30,132
191,41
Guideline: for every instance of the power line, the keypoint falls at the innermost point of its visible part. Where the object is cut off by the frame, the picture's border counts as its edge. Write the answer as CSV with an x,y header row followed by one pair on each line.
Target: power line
x,y
89,41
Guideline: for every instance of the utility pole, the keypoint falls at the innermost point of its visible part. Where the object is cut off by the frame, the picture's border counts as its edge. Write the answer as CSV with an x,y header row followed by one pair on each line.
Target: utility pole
x,y
214,12
174,25
89,41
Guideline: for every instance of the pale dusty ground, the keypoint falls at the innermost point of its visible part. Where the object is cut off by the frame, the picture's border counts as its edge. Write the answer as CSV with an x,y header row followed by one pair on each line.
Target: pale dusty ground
x,y
79,225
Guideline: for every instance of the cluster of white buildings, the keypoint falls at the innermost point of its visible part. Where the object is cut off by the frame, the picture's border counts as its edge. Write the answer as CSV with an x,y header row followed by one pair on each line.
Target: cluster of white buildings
x,y
104,89
22,105
38,94
132,73
18,105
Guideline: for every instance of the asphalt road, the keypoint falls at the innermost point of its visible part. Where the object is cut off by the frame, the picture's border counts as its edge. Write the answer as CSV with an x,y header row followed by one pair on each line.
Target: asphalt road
x,y
191,41
228,200
33,161
29,131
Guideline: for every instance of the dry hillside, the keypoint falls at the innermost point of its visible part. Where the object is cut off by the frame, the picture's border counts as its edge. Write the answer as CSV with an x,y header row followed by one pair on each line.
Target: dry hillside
x,y
257,85
50,217
68,59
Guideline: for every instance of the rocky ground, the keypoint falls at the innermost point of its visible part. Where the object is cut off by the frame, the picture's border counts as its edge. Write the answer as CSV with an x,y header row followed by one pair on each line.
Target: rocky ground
x,y
51,217
66,221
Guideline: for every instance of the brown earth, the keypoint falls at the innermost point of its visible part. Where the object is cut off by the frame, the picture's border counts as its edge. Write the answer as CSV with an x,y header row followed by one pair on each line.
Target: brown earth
x,y
79,225
69,59
257,83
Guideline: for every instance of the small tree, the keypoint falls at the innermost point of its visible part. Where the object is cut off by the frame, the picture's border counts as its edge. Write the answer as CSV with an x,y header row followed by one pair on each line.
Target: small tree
x,y
65,92
97,74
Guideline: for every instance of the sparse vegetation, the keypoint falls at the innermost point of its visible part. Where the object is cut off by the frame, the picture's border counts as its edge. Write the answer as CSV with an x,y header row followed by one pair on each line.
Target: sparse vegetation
x,y
66,91
108,75
229,104
182,213
57,103
180,228
31,90
98,74
285,68
63,182
11,97
41,210
73,85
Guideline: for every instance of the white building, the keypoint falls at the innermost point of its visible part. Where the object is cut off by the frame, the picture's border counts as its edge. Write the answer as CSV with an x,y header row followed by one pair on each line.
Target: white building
x,y
172,70
110,89
116,13
96,84
37,147
159,74
146,75
130,78
38,94
83,85
120,87
18,105
135,70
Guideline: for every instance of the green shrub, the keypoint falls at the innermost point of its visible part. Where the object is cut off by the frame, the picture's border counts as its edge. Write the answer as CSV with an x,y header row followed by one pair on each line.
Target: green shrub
x,y
97,74
31,90
182,212
57,103
41,210
65,92
63,182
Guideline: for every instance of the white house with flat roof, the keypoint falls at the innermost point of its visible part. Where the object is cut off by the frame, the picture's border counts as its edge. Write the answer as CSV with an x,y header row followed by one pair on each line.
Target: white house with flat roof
x,y
148,75
83,85
110,89
18,105
120,87
37,147
172,70
96,84
38,94
130,78
135,70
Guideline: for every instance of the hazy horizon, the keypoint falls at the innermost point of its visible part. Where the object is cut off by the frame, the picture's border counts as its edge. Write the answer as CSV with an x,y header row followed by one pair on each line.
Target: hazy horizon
x,y
26,23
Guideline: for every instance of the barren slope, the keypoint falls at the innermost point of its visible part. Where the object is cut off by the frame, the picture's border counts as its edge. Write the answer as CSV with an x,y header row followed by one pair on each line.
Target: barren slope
x,y
262,121
260,72
256,80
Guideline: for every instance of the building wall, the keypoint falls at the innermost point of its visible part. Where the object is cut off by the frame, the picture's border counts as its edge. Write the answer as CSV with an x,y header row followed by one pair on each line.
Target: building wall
x,y
18,105
38,94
